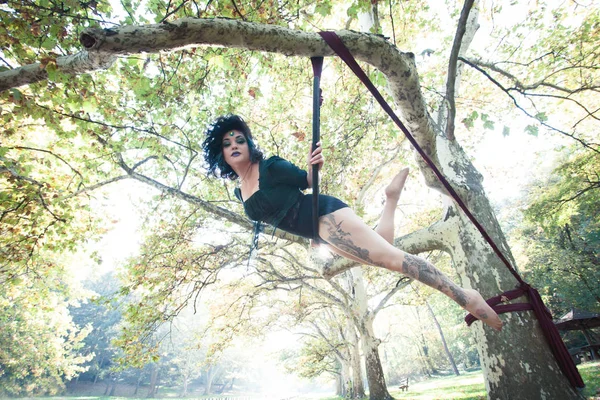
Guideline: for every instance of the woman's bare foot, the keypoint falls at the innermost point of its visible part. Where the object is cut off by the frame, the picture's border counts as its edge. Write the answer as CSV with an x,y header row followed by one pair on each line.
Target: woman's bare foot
x,y
481,310
394,189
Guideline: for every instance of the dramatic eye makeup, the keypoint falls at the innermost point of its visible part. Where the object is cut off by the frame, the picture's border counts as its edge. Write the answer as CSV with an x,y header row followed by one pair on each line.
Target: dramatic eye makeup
x,y
238,140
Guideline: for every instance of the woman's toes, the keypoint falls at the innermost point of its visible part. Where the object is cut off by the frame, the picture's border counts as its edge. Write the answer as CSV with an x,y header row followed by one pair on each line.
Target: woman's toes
x,y
395,187
481,310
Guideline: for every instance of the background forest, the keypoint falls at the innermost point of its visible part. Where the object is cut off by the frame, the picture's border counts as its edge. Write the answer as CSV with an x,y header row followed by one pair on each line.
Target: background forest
x,y
121,262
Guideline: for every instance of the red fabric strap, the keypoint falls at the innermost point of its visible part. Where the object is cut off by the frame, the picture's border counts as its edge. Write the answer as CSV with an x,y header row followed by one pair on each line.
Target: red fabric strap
x,y
543,315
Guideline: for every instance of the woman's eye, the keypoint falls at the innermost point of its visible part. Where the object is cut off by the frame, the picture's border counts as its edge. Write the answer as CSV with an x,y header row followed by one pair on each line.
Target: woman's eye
x,y
241,141
226,144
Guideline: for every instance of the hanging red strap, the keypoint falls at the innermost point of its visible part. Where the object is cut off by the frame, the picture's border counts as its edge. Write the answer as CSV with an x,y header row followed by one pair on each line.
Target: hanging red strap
x,y
317,64
541,312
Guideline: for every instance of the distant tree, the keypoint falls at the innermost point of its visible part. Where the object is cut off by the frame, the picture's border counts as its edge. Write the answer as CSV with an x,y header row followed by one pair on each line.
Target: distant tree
x,y
562,233
40,345
103,318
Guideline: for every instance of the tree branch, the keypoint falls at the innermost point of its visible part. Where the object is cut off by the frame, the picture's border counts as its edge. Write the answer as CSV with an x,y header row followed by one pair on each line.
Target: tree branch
x,y
516,103
402,283
522,87
79,63
434,237
450,82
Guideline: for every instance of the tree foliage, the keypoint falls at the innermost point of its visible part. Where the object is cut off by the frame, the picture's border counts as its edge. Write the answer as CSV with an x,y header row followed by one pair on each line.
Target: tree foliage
x,y
40,345
563,233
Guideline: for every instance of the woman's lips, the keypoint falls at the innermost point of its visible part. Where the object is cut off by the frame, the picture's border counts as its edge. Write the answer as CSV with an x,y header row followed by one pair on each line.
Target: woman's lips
x,y
235,154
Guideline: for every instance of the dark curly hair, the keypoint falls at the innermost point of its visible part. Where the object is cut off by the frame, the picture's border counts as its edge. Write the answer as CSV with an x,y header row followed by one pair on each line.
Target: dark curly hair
x,y
212,146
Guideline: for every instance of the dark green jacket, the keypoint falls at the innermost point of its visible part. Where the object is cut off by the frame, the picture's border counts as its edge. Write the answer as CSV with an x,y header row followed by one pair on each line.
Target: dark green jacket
x,y
279,188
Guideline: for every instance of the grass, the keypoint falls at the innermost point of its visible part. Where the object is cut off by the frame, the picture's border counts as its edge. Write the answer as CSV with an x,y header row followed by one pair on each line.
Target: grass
x,y
467,386
590,372
470,386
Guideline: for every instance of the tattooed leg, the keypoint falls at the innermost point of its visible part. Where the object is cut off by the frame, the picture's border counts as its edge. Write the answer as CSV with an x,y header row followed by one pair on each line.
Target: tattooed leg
x,y
346,232
469,299
385,227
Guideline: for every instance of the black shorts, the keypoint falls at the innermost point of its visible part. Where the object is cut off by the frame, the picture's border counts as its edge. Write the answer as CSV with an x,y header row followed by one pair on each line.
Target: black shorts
x,y
299,219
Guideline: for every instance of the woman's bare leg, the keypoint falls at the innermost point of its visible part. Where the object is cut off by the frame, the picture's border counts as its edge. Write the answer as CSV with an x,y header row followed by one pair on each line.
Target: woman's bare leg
x,y
385,227
346,232
392,194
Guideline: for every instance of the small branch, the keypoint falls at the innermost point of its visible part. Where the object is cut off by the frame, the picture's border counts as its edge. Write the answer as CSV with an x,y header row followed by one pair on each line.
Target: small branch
x,y
36,183
593,185
96,186
238,10
401,285
516,103
51,153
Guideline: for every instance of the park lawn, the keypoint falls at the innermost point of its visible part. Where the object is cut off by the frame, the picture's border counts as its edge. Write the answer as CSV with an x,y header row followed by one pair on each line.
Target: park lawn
x,y
467,386
470,386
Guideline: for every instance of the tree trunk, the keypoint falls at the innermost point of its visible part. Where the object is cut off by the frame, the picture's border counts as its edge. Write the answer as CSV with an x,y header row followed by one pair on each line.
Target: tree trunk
x,y
517,362
375,377
340,388
185,387
153,381
113,388
441,332
208,381
355,376
97,374
138,382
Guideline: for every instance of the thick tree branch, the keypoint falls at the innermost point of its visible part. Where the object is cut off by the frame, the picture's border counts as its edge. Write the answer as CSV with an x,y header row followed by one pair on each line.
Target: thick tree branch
x,y
79,63
399,68
450,82
434,237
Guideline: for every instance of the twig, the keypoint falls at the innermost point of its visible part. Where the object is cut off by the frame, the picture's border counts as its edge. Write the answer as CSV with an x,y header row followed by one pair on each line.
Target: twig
x,y
516,103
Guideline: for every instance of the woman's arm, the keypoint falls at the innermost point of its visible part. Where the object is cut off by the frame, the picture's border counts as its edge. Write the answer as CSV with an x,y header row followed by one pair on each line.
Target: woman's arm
x,y
314,158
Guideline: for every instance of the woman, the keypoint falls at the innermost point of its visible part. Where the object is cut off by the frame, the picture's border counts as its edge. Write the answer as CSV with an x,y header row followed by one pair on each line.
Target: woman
x,y
270,190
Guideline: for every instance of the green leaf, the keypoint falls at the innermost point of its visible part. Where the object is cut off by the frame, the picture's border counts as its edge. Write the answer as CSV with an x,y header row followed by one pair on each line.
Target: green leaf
x,y
353,11
469,121
532,130
323,8
88,107
52,71
488,125
49,44
541,117
505,131
17,95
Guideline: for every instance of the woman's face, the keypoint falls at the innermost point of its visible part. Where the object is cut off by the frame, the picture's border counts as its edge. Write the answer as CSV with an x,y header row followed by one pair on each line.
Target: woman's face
x,y
235,148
